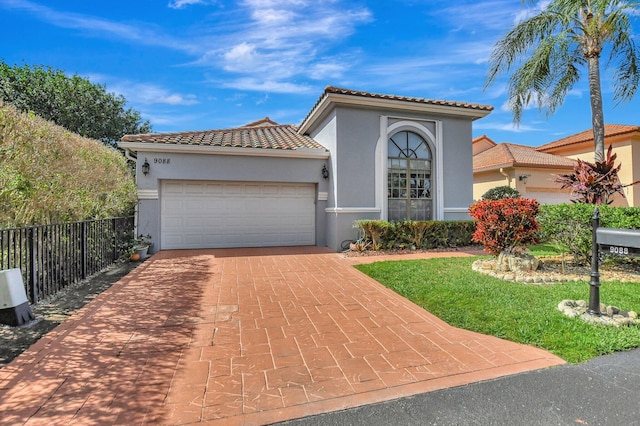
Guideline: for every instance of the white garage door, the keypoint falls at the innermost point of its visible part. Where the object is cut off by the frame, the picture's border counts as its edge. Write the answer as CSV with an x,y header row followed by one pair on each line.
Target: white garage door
x,y
198,214
549,197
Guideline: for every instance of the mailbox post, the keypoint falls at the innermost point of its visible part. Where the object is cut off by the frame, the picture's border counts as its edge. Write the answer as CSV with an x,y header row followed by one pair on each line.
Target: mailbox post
x,y
620,242
594,284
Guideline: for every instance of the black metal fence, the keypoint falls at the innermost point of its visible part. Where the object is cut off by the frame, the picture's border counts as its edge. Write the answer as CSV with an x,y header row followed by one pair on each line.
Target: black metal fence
x,y
53,257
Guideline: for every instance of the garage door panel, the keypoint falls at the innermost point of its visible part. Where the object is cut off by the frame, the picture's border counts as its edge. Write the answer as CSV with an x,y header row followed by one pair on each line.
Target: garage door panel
x,y
214,188
172,188
230,214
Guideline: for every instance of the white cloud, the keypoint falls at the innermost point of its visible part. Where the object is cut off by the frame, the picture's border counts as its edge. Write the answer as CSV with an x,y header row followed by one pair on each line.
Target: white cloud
x,y
286,39
241,57
265,42
505,127
527,13
327,70
142,93
104,28
270,86
181,4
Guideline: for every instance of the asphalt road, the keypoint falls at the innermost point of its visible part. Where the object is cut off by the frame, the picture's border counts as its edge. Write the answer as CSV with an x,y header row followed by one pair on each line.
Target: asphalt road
x,y
603,391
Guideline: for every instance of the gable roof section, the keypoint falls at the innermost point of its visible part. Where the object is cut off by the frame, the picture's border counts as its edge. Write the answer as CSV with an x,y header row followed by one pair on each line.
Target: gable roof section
x,y
335,95
481,144
610,130
261,123
513,155
253,139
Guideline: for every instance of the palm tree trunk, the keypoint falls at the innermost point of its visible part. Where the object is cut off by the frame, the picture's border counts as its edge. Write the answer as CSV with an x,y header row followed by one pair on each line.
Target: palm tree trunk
x,y
597,114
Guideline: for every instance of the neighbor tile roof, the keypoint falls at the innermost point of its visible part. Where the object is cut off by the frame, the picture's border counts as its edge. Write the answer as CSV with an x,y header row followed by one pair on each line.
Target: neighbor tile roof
x,y
483,138
512,155
255,135
609,131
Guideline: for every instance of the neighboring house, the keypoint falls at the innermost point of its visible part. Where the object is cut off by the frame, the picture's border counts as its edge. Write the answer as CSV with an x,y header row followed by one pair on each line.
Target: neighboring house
x,y
530,172
357,155
626,144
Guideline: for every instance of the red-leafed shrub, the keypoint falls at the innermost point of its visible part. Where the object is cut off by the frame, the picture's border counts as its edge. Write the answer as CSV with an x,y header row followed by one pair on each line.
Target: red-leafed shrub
x,y
594,183
505,225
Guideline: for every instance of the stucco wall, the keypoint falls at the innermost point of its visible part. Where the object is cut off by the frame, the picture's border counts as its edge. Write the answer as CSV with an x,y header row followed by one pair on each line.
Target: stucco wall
x,y
358,171
325,135
457,168
170,166
539,183
484,181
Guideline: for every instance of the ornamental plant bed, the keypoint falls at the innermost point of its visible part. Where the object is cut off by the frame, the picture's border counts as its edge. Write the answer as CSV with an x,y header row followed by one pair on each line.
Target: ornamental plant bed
x,y
473,249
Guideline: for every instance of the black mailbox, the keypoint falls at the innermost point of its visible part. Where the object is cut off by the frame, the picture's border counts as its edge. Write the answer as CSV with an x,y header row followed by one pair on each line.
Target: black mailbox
x,y
623,242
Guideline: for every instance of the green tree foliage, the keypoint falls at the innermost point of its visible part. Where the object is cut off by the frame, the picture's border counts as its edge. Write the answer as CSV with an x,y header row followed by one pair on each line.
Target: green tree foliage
x,y
49,175
71,102
552,49
500,192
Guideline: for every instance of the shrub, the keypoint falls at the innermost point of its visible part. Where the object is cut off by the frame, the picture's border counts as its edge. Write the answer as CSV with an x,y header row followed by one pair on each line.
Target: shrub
x,y
374,230
594,183
500,192
49,175
569,225
417,234
505,225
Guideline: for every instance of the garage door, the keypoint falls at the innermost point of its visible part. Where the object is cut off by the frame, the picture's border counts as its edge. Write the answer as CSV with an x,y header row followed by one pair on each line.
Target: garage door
x,y
234,214
549,197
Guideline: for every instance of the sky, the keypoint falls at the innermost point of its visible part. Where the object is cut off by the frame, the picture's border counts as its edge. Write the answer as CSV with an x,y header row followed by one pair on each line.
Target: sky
x,y
190,65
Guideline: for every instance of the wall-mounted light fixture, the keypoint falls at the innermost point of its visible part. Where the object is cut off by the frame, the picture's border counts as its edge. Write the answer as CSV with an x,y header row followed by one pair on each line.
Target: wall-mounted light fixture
x,y
325,172
523,178
145,167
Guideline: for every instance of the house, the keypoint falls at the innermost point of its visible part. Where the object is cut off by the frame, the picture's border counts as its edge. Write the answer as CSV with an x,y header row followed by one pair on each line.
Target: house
x,y
624,139
356,155
532,170
523,168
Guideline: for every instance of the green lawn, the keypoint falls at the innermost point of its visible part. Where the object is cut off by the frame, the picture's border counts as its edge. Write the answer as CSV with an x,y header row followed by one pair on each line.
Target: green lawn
x,y
523,313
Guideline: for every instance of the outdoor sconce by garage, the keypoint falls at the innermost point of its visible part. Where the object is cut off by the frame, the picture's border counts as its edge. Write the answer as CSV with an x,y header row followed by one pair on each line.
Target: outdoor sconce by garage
x,y
523,178
145,167
325,172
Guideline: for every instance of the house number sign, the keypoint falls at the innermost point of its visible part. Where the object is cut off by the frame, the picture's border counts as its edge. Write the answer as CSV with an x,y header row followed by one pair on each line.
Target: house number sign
x,y
162,160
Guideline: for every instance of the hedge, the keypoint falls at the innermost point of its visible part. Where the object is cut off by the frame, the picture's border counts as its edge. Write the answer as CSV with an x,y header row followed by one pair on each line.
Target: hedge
x,y
413,235
569,225
50,175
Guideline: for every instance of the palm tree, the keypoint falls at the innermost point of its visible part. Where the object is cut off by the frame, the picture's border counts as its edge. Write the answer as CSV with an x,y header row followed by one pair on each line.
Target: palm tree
x,y
552,49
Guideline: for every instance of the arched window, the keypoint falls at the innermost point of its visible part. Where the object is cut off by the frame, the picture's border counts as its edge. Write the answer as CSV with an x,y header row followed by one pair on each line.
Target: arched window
x,y
409,177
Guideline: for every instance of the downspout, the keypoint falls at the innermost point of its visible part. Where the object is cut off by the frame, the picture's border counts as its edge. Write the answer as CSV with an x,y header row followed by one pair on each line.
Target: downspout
x,y
129,156
506,175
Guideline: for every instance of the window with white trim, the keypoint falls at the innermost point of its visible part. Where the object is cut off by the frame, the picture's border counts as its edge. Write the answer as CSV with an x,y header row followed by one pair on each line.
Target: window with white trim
x,y
409,168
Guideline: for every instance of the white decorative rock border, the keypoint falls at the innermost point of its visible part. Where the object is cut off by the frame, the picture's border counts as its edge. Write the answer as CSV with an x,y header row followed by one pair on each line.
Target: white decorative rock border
x,y
487,267
611,315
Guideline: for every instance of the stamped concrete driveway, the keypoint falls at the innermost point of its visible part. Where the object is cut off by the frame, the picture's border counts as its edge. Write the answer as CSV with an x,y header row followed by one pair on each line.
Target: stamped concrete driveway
x,y
245,336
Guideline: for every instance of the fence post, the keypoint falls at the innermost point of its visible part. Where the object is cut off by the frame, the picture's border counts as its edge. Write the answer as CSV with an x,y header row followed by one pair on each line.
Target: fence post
x,y
32,282
114,227
83,248
594,284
